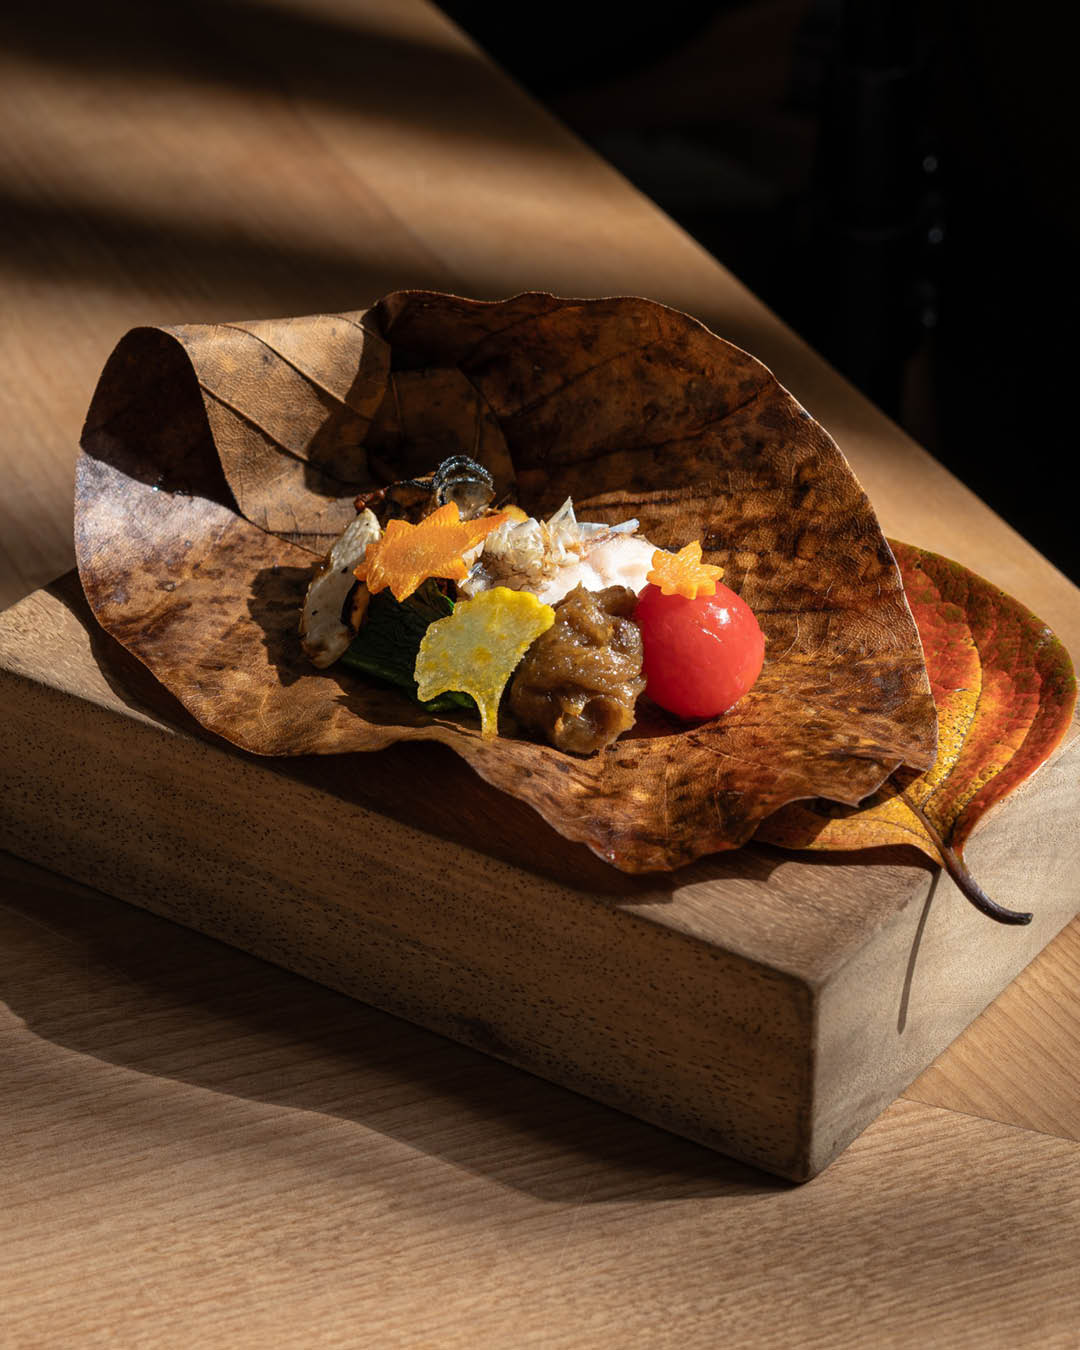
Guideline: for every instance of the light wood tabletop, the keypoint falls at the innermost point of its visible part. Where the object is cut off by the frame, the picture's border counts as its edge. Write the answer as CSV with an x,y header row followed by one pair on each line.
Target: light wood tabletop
x,y
200,1149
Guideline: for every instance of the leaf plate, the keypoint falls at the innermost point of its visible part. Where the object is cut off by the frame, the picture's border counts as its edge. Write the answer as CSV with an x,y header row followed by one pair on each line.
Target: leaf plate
x,y
216,460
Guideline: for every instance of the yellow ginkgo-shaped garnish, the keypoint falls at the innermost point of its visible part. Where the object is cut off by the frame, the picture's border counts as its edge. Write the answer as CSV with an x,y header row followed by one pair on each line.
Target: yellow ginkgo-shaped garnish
x,y
407,555
684,573
476,649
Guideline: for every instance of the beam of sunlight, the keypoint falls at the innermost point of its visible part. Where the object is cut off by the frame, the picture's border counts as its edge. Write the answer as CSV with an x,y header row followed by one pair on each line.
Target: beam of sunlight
x,y
233,160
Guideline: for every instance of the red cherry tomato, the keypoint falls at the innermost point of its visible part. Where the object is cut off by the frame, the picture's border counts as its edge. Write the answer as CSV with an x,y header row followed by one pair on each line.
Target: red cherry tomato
x,y
700,656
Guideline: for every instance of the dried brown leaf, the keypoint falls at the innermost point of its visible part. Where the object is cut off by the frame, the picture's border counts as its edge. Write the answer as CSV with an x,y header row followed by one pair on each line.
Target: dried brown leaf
x,y
429,415
632,408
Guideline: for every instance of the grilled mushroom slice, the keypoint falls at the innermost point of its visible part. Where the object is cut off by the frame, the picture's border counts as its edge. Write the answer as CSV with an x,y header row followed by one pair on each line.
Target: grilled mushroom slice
x,y
324,633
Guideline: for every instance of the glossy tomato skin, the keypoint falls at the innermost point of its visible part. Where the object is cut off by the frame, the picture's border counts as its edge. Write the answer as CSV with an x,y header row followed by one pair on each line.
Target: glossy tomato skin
x,y
700,656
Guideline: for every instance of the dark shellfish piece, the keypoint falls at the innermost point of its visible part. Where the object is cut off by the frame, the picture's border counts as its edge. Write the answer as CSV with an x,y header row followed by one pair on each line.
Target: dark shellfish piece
x,y
462,480
458,479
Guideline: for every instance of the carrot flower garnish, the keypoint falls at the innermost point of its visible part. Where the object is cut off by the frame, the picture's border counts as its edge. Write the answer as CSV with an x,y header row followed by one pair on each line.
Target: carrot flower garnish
x,y
407,555
684,573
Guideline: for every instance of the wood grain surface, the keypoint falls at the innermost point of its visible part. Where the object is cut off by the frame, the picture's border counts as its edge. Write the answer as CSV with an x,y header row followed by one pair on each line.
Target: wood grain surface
x,y
201,1149
790,997
204,1148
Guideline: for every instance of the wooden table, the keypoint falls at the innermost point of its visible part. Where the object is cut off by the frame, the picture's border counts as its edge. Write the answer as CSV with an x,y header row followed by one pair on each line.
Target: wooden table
x,y
200,1149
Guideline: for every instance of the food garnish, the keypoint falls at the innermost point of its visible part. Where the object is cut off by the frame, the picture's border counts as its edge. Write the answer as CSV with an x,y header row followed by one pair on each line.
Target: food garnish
x,y
476,649
459,479
684,573
407,555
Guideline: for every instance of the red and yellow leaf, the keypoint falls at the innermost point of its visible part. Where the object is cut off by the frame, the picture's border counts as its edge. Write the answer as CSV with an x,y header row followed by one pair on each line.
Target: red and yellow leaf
x,y
1005,693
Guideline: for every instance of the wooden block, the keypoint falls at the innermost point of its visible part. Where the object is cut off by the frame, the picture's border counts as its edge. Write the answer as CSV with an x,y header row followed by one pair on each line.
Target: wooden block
x,y
766,1004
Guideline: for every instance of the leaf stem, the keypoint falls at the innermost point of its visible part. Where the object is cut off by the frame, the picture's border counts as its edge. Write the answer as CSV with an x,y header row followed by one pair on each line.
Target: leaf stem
x,y
957,869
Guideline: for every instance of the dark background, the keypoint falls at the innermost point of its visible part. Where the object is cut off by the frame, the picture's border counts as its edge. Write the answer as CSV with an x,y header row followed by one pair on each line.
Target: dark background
x,y
890,178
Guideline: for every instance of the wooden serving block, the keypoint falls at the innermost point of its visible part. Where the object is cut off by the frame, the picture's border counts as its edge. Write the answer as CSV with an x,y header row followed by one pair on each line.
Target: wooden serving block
x,y
763,1003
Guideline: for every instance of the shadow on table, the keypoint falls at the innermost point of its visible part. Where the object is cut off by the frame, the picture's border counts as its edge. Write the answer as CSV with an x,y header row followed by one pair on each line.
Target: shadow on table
x,y
108,980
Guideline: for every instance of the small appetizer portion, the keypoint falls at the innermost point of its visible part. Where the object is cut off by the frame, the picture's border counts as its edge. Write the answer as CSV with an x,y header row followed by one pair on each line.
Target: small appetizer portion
x,y
703,647
702,654
459,604
551,557
580,680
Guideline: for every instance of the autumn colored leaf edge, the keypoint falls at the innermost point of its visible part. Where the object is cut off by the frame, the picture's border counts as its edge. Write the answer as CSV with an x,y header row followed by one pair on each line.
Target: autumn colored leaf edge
x,y
935,583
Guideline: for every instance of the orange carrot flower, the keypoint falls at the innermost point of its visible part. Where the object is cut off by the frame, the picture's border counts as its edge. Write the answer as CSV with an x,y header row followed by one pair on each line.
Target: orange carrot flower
x,y
407,555
684,573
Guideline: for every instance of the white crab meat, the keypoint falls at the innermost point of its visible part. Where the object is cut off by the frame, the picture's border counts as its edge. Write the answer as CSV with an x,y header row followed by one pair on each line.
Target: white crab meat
x,y
551,557
323,635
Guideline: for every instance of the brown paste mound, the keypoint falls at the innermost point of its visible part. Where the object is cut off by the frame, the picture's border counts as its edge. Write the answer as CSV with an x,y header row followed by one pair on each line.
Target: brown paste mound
x,y
579,681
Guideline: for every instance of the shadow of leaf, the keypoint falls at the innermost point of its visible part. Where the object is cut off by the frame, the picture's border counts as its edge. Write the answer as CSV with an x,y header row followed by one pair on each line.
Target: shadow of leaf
x,y
277,597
